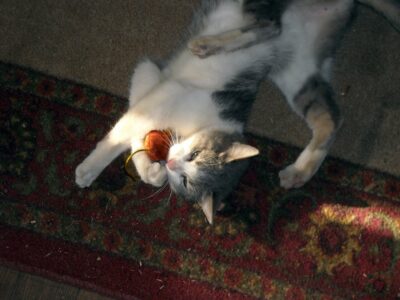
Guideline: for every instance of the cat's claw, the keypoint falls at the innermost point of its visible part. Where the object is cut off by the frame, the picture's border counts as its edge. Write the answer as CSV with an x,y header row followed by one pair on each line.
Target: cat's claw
x,y
84,176
292,177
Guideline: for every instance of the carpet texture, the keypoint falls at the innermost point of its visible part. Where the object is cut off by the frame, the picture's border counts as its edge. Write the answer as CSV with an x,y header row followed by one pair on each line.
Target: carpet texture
x,y
338,237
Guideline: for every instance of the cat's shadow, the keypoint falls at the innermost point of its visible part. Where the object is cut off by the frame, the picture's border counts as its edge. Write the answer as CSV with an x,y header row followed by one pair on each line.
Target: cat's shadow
x,y
266,223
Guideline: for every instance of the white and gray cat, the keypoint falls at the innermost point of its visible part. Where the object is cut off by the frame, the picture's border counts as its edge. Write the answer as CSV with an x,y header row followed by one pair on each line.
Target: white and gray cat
x,y
205,91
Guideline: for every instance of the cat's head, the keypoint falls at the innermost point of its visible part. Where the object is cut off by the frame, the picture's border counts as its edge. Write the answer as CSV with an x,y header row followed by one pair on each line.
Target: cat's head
x,y
205,167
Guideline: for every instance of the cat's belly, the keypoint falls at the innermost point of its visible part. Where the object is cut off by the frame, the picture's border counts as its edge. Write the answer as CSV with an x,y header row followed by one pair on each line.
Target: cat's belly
x,y
217,70
311,16
308,27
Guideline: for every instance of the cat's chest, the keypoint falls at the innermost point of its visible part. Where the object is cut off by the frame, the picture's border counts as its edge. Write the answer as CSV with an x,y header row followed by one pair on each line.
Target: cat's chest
x,y
183,108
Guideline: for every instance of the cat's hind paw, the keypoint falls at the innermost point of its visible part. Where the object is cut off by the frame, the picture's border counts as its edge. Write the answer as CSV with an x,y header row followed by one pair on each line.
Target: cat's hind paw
x,y
84,177
292,177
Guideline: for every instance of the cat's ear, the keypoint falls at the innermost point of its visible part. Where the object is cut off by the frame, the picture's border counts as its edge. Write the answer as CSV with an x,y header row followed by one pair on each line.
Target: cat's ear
x,y
207,205
238,151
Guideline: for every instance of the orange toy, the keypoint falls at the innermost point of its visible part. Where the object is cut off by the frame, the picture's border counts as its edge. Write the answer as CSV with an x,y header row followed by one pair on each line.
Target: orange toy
x,y
157,143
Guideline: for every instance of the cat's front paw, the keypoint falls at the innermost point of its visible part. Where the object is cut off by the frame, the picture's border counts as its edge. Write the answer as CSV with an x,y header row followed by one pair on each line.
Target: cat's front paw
x,y
84,175
293,177
156,174
204,46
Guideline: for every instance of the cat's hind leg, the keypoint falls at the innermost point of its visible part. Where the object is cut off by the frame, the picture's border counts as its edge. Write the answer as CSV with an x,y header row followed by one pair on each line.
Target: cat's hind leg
x,y
146,76
315,103
265,24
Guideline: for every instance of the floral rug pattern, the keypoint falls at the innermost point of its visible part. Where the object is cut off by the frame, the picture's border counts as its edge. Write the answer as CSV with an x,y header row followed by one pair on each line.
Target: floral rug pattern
x,y
338,237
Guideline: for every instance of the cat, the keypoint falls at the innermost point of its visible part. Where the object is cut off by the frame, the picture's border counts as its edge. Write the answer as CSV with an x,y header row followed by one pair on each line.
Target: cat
x,y
204,93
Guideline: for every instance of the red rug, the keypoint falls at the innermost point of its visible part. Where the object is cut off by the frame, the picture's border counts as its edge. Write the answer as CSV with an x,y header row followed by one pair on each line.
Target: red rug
x,y
338,237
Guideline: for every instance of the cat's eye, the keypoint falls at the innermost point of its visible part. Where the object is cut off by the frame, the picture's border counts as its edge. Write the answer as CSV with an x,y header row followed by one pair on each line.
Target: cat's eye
x,y
184,181
193,155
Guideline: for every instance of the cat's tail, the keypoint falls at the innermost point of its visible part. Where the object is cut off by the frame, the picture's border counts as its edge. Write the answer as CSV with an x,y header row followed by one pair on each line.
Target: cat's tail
x,y
390,9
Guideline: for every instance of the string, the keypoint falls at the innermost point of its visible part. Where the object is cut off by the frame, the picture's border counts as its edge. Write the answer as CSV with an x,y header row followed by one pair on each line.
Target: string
x,y
165,139
129,159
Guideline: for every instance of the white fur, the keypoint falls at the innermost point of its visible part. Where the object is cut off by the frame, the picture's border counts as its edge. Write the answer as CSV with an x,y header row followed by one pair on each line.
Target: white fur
x,y
226,17
179,97
146,76
303,169
179,153
215,71
302,26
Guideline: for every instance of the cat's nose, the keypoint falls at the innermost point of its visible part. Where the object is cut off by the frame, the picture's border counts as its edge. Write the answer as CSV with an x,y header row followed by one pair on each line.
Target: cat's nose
x,y
171,164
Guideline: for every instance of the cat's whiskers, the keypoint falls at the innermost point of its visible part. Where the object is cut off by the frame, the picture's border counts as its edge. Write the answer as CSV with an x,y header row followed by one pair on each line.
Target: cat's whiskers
x,y
169,197
172,138
175,139
178,138
159,191
167,141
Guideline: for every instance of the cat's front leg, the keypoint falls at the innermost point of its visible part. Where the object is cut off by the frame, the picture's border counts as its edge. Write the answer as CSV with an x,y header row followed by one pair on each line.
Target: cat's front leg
x,y
154,173
105,152
98,159
232,40
145,77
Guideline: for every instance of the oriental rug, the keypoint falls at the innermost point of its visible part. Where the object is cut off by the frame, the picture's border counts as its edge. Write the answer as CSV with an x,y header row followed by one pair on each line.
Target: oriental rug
x,y
338,237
